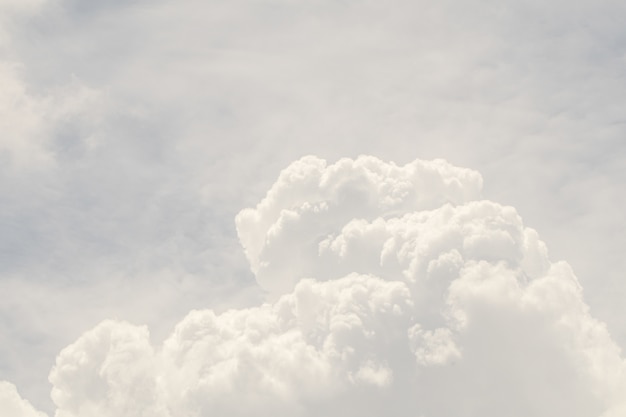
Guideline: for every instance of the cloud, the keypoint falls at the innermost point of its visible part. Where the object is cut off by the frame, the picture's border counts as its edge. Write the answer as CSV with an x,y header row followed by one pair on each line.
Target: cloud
x,y
209,99
13,405
393,290
295,223
37,127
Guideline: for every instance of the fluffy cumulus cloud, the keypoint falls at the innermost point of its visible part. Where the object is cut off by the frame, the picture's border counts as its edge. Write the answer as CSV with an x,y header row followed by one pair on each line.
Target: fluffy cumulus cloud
x,y
11,404
393,290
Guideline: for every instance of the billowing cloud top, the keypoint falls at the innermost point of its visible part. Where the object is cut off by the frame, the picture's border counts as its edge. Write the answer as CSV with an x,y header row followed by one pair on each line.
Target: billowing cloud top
x,y
305,211
394,291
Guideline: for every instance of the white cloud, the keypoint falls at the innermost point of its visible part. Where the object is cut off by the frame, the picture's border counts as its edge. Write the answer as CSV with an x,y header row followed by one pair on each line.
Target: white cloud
x,y
132,217
12,405
404,294
310,201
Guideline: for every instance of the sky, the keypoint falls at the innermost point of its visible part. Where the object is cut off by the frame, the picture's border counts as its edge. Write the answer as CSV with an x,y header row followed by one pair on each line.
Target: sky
x,y
184,202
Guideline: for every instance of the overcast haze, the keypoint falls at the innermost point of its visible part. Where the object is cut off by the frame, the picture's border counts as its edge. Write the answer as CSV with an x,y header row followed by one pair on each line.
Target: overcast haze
x,y
132,134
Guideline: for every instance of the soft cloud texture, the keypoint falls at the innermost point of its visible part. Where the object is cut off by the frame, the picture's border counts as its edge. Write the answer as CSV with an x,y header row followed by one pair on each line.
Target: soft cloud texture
x,y
398,291
132,132
13,405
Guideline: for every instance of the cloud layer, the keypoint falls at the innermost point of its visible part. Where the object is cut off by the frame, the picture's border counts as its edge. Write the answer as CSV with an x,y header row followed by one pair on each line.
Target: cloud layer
x,y
394,290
